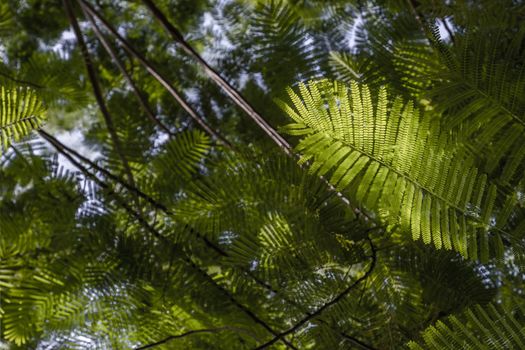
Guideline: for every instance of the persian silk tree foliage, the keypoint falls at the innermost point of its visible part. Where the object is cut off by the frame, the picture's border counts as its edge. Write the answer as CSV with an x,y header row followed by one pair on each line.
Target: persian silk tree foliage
x,y
397,161
21,112
155,211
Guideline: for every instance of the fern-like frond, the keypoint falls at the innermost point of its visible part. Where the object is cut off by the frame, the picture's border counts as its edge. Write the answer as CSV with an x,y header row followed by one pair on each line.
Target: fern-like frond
x,y
6,18
183,154
179,160
481,94
21,111
396,161
417,66
345,68
481,327
286,51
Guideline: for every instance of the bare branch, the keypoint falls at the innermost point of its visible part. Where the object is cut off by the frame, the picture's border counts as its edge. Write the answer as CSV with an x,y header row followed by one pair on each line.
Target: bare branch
x,y
155,73
98,92
219,80
140,97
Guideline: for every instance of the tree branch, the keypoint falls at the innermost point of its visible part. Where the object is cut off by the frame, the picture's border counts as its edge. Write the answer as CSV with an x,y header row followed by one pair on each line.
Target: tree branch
x,y
219,80
239,100
86,7
20,81
155,73
64,150
158,235
334,301
140,97
412,5
61,148
98,92
448,29
107,187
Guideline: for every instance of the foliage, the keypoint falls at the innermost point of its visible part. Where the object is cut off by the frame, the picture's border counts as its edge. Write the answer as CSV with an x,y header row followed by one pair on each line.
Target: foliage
x,y
389,153
489,327
152,212
21,112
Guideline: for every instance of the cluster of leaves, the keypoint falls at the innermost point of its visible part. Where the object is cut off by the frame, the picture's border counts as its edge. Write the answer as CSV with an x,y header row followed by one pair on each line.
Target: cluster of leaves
x,y
177,223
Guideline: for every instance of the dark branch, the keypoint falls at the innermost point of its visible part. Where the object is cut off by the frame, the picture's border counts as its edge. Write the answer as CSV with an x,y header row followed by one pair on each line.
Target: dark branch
x,y
133,189
140,97
163,81
138,216
67,151
239,305
448,29
172,337
98,92
412,5
219,80
20,81
334,301
237,97
259,119
107,187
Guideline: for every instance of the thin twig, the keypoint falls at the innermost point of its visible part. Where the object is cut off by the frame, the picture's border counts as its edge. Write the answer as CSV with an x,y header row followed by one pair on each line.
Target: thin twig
x,y
219,80
107,187
155,73
140,97
20,81
132,189
98,92
448,29
334,301
282,143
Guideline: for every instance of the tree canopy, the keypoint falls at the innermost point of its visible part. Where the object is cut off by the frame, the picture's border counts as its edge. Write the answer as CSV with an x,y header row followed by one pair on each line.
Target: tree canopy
x,y
249,174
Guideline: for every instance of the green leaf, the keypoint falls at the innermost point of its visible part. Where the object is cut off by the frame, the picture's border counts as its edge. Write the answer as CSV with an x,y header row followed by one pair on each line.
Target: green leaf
x,y
402,148
21,111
